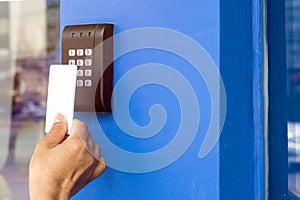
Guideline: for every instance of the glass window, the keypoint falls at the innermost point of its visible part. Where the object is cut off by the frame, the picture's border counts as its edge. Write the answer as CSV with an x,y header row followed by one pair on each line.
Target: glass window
x,y
293,65
29,42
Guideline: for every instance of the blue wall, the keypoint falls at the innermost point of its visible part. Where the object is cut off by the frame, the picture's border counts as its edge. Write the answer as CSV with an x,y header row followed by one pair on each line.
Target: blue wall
x,y
188,177
216,32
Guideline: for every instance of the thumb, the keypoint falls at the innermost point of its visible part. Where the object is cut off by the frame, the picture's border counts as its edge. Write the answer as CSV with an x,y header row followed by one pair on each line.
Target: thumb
x,y
58,132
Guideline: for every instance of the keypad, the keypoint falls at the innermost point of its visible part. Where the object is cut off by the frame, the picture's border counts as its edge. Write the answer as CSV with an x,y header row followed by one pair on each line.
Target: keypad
x,y
88,83
79,52
88,62
88,72
72,52
72,62
79,83
82,58
79,62
88,52
80,72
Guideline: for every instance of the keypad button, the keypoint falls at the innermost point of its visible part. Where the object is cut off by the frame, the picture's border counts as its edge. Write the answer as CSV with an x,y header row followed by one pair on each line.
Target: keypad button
x,y
88,62
88,52
72,52
79,83
79,52
88,83
79,62
72,62
88,72
79,72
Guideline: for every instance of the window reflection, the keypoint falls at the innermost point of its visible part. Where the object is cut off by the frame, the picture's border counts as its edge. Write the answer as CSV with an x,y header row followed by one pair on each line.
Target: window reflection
x,y
29,43
293,64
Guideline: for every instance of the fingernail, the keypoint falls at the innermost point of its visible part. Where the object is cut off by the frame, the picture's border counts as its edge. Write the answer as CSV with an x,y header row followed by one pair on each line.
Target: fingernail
x,y
58,118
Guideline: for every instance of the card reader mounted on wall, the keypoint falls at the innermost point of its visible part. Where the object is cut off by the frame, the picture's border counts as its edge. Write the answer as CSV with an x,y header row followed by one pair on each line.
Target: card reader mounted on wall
x,y
90,47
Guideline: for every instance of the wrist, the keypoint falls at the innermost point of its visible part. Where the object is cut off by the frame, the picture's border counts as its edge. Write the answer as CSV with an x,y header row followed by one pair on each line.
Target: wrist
x,y
48,193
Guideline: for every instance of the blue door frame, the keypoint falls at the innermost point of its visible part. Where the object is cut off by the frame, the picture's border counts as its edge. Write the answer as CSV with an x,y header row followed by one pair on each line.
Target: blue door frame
x,y
278,154
242,140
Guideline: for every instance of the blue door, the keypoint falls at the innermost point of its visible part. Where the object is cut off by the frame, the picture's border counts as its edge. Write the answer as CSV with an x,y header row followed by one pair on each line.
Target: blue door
x,y
183,71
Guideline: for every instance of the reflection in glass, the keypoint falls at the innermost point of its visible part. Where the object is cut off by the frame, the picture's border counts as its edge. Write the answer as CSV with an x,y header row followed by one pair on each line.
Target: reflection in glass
x,y
293,77
29,43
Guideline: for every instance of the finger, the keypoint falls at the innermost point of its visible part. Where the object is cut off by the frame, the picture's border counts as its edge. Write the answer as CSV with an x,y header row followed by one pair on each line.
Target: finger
x,y
96,151
79,132
58,132
79,129
100,167
90,144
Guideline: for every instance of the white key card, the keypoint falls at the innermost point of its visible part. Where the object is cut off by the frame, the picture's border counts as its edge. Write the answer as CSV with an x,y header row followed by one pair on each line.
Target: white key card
x,y
61,94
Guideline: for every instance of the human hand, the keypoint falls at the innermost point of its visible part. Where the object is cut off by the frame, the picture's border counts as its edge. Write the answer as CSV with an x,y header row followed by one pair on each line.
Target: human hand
x,y
61,165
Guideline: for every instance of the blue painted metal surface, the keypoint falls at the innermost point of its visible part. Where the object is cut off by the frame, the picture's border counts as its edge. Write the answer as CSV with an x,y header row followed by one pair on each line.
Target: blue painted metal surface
x,y
278,156
241,144
225,31
258,21
188,177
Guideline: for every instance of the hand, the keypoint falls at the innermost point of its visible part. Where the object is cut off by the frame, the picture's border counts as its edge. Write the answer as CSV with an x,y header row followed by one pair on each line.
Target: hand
x,y
61,165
